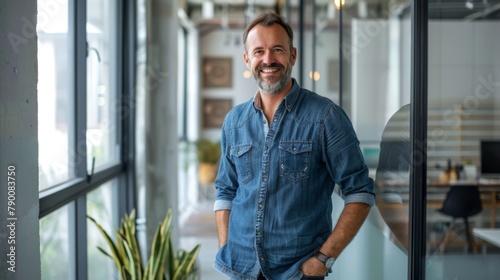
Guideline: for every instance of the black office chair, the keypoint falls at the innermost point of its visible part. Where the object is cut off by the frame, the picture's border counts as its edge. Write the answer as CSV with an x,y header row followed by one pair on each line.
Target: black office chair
x,y
461,202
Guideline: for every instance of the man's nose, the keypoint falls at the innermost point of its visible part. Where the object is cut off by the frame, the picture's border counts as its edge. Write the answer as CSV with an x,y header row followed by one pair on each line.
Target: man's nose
x,y
269,57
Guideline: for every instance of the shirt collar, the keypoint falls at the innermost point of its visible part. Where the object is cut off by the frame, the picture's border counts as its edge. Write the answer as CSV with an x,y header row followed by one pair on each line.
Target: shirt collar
x,y
289,99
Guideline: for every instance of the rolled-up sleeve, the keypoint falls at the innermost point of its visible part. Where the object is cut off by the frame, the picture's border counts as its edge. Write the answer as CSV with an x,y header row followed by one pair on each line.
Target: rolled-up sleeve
x,y
344,159
226,183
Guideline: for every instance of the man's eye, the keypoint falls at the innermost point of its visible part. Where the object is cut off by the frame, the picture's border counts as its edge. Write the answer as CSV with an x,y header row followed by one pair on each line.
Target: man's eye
x,y
257,52
278,50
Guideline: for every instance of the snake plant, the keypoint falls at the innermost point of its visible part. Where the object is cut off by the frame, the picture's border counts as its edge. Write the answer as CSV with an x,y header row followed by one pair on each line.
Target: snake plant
x,y
163,263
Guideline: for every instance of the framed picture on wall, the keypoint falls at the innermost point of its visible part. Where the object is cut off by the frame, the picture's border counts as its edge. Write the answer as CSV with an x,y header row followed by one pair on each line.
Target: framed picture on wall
x,y
217,72
214,111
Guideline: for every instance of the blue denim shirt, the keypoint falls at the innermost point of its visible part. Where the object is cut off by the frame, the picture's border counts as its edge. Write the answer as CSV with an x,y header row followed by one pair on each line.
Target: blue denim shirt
x,y
278,185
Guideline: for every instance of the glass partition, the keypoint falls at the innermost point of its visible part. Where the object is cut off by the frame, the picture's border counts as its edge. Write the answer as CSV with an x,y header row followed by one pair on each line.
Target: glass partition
x,y
375,68
463,200
358,53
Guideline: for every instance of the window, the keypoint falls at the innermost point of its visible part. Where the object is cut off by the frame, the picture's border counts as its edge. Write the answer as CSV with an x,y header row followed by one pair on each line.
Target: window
x,y
84,131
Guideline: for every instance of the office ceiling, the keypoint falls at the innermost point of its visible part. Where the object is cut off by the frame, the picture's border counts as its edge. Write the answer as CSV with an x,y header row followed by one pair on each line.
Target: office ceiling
x,y
438,9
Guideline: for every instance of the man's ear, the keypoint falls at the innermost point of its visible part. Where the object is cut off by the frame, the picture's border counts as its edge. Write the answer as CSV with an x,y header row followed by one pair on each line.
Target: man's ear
x,y
294,55
245,59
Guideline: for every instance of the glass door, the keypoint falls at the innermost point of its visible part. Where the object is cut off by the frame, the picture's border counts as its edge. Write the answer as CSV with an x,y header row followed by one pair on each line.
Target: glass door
x,y
463,140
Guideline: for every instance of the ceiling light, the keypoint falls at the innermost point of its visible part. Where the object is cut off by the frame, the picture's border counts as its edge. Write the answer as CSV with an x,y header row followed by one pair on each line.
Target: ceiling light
x,y
469,5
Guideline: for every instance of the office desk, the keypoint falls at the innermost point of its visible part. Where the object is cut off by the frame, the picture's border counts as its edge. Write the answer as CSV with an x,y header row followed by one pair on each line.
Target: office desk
x,y
436,193
490,190
491,235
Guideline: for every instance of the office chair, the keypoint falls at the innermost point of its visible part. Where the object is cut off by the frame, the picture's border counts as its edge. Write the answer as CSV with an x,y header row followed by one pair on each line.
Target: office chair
x,y
461,202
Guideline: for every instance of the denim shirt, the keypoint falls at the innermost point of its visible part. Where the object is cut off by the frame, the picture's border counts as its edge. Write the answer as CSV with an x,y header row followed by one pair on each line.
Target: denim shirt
x,y
278,185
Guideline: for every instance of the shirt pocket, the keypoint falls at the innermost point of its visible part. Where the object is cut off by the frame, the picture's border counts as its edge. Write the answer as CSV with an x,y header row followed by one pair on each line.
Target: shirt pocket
x,y
241,158
295,159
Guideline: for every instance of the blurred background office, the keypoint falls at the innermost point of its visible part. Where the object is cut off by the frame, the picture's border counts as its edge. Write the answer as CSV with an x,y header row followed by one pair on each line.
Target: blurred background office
x,y
109,106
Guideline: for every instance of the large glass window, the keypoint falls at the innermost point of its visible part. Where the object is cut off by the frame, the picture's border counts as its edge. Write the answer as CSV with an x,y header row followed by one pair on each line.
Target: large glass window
x,y
83,122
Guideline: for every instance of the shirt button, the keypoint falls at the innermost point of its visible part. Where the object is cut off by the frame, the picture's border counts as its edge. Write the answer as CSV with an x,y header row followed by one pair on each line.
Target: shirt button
x,y
260,205
275,120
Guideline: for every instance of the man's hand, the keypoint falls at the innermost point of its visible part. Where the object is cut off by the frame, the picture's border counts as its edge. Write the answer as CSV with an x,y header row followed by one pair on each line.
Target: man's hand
x,y
313,267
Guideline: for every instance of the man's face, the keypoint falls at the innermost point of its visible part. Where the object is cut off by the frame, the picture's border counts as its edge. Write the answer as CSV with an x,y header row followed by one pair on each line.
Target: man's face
x,y
269,57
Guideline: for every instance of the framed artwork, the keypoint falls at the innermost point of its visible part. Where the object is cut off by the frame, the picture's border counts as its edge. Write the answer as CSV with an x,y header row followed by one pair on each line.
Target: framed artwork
x,y
214,111
217,72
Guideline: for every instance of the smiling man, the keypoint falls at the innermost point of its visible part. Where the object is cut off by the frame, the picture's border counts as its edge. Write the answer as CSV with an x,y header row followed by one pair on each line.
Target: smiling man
x,y
283,152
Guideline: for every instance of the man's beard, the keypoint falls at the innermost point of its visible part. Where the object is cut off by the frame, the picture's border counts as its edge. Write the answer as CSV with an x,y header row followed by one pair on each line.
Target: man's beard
x,y
273,87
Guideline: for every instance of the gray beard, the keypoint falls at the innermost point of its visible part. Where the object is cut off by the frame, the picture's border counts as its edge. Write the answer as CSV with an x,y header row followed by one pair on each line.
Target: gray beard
x,y
272,88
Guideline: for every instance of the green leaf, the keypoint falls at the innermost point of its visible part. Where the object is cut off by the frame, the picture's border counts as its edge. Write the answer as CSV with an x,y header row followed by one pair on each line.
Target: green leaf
x,y
114,250
126,252
129,234
155,267
185,268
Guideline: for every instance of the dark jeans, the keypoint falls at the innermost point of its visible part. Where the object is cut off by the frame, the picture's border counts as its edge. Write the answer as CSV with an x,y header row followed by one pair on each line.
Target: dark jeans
x,y
261,277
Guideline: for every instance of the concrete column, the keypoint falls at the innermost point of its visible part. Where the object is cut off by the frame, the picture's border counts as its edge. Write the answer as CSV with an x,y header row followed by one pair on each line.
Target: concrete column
x,y
19,227
161,139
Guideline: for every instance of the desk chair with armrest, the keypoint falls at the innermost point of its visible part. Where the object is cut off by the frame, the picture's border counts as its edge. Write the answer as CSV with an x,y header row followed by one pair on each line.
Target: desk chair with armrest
x,y
461,202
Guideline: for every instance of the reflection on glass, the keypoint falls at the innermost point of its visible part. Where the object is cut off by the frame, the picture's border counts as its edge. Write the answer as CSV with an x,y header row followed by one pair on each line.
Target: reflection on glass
x,y
55,113
55,245
103,109
101,206
392,175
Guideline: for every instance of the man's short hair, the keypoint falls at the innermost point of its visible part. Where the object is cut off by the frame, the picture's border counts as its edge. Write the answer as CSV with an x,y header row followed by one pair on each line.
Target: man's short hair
x,y
269,18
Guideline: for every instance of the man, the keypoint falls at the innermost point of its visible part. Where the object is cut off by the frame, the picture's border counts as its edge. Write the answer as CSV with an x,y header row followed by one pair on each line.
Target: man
x,y
282,154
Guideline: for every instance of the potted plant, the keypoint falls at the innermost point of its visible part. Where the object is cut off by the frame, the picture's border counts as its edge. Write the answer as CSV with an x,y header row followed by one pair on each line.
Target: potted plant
x,y
208,154
163,263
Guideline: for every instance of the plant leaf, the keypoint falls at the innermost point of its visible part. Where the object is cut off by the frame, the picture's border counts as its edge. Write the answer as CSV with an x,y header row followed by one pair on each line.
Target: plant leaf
x,y
114,250
185,268
129,234
131,268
